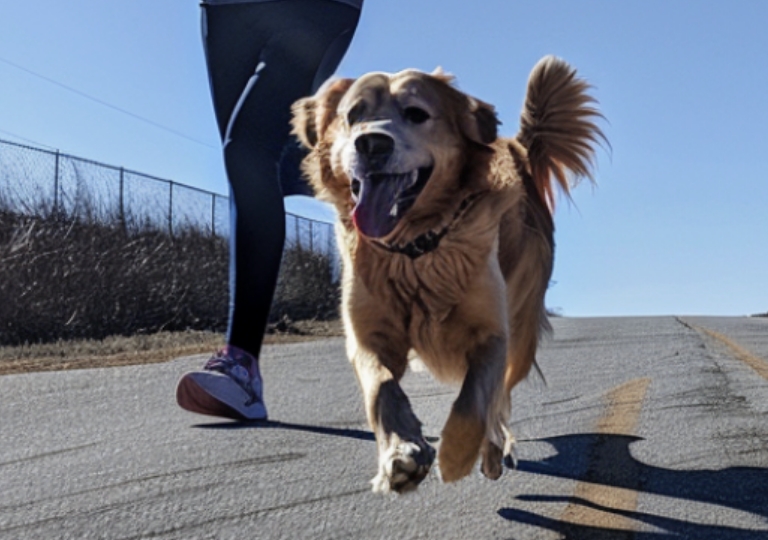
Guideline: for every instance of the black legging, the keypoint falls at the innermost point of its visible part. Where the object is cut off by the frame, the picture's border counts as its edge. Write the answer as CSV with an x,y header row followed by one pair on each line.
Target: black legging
x,y
262,56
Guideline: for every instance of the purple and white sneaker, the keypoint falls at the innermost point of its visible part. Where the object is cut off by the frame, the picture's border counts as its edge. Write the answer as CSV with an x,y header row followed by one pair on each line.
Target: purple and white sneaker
x,y
229,385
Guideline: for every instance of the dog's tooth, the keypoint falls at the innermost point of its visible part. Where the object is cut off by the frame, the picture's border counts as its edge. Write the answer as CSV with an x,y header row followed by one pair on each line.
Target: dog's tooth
x,y
414,176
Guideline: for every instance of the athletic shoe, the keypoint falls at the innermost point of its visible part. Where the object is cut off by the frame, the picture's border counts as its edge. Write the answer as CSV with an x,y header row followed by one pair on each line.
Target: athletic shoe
x,y
229,385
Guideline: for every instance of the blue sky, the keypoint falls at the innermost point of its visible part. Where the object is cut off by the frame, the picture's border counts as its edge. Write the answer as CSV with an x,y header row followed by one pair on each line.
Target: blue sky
x,y
677,223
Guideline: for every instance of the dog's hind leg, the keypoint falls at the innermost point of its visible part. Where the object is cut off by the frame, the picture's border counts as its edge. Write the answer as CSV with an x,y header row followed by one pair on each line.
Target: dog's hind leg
x,y
499,444
474,411
405,457
528,321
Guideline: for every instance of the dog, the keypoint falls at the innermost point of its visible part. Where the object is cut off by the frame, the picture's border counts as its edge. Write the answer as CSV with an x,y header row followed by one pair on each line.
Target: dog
x,y
446,236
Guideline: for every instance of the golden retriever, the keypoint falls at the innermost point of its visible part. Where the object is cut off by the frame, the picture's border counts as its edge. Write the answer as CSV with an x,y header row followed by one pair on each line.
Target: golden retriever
x,y
446,236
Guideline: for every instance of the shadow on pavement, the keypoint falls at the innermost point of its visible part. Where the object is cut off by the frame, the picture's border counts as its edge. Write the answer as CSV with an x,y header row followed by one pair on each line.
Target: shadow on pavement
x,y
738,488
351,433
270,424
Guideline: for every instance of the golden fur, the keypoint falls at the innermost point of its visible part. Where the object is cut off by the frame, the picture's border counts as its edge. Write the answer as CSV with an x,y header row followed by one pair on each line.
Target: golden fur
x,y
446,235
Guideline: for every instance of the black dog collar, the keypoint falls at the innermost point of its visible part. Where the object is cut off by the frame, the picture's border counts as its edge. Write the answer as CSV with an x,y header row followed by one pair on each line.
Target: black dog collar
x,y
430,240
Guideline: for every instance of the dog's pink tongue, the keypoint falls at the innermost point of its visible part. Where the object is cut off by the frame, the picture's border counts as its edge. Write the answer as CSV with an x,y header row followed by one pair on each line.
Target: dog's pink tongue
x,y
375,214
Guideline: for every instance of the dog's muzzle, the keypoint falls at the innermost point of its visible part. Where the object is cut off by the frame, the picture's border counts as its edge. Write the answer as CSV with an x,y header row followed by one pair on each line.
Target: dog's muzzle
x,y
382,198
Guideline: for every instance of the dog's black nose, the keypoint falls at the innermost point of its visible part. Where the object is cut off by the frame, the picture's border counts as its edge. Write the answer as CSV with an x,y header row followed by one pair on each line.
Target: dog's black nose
x,y
375,149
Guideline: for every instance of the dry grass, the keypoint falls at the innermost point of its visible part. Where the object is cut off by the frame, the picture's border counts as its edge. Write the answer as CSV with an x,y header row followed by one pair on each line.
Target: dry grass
x,y
111,351
81,294
95,272
73,278
144,349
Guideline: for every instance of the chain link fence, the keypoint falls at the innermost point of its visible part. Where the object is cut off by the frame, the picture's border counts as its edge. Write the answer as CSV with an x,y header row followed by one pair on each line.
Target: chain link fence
x,y
89,250
34,181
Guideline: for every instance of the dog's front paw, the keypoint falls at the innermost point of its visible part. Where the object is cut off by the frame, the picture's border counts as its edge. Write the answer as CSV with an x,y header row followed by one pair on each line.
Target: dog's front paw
x,y
494,457
403,466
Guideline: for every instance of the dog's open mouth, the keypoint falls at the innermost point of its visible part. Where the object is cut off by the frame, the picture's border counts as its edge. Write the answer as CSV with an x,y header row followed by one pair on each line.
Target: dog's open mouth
x,y
381,199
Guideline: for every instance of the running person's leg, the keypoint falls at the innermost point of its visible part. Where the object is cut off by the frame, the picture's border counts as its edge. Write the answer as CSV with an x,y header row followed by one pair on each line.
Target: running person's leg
x,y
262,56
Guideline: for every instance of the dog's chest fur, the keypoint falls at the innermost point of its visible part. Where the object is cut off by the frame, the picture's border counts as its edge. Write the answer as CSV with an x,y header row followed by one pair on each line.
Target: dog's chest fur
x,y
430,303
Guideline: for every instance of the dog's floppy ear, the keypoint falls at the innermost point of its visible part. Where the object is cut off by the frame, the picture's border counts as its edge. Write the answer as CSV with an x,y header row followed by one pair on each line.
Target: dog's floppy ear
x,y
478,119
479,122
303,121
313,115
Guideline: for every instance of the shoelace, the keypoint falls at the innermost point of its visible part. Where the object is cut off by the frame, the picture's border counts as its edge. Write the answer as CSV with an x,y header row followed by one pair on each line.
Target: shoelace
x,y
234,368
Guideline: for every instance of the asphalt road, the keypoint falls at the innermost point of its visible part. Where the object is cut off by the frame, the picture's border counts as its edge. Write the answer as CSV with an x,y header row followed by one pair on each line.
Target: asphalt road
x,y
647,428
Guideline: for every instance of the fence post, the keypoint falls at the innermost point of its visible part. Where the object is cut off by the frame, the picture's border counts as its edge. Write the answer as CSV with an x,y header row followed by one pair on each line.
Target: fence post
x,y
213,214
170,208
298,235
56,185
121,210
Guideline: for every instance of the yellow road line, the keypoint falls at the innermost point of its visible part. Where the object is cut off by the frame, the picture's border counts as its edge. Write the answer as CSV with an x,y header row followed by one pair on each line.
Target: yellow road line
x,y
755,362
624,404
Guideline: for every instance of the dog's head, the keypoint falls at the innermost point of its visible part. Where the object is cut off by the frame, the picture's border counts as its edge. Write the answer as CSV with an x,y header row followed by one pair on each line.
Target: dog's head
x,y
393,149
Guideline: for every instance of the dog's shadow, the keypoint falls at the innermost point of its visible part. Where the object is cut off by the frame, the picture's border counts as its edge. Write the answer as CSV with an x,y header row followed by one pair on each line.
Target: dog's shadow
x,y
738,488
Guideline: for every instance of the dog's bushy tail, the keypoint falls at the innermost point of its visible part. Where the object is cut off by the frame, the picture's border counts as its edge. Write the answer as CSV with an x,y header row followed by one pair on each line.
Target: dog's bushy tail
x,y
558,128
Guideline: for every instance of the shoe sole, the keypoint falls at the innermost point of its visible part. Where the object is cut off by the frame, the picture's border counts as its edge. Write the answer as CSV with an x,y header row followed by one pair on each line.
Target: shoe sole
x,y
211,394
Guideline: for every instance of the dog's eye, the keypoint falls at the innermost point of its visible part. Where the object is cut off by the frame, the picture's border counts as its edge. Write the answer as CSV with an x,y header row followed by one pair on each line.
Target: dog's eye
x,y
355,113
416,115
